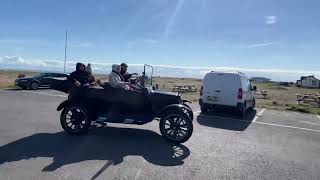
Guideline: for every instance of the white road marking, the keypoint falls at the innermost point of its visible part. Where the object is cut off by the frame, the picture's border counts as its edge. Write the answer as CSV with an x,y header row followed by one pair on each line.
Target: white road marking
x,y
318,116
138,174
48,94
292,127
258,115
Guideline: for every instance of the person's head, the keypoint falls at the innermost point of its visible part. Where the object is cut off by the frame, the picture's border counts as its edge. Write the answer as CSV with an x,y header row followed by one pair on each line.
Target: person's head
x,y
124,67
80,67
89,64
116,68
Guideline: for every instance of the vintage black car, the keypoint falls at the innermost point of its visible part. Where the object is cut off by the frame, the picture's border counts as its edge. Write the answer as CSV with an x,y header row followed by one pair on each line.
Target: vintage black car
x,y
87,105
39,80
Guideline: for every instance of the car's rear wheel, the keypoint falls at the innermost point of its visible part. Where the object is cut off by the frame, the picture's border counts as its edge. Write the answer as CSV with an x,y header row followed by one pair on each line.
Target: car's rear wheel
x,y
176,126
34,86
74,120
204,109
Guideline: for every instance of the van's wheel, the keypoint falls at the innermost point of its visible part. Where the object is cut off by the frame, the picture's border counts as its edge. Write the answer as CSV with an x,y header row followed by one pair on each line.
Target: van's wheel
x,y
74,120
34,86
176,126
203,110
243,111
253,106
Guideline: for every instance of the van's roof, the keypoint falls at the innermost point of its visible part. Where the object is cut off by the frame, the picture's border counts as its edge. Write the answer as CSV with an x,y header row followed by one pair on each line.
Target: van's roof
x,y
226,72
237,73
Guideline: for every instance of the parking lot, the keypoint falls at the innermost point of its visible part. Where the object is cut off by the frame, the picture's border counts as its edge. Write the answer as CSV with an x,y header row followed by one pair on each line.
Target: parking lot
x,y
267,144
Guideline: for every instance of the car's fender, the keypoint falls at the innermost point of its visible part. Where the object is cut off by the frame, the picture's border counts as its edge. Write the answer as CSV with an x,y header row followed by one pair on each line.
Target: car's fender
x,y
175,106
63,105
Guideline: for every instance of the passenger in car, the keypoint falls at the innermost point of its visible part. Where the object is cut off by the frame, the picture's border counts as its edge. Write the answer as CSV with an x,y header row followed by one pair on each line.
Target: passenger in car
x,y
116,80
123,72
79,75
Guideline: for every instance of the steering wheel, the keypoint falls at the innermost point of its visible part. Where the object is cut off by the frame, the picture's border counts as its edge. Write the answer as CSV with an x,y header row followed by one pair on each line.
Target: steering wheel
x,y
136,81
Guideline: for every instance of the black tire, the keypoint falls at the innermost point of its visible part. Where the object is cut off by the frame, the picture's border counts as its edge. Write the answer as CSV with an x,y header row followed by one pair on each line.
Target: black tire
x,y
253,106
34,85
79,124
203,110
188,111
174,123
243,111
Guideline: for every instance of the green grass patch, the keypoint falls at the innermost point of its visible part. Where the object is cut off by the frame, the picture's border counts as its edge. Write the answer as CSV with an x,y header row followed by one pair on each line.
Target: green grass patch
x,y
299,108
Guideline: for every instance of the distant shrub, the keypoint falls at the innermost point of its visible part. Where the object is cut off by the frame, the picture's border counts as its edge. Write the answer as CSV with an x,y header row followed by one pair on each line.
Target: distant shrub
x,y
275,103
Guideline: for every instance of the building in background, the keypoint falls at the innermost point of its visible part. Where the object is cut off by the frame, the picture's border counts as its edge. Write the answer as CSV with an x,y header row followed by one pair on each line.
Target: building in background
x,y
308,82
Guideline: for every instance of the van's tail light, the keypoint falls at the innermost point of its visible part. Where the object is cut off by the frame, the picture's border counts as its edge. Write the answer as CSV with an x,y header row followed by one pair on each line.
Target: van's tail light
x,y
240,93
201,91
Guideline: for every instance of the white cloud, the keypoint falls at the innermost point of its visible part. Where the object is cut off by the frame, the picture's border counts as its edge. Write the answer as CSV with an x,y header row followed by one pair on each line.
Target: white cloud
x,y
271,19
260,45
160,70
172,19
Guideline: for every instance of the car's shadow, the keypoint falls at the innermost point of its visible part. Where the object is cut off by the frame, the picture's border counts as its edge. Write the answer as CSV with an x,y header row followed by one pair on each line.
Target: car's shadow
x,y
229,120
109,143
20,89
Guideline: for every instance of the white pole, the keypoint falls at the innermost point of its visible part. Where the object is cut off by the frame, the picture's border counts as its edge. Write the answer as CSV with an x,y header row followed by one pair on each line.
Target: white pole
x,y
65,52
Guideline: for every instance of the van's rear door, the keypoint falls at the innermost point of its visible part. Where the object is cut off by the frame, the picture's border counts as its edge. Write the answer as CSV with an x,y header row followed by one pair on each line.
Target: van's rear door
x,y
213,88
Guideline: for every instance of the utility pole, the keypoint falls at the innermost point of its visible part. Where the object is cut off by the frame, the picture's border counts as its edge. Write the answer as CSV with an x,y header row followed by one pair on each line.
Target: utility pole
x,y
65,52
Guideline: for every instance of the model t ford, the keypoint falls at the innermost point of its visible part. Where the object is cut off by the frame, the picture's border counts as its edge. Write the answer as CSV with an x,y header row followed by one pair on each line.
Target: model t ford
x,y
87,105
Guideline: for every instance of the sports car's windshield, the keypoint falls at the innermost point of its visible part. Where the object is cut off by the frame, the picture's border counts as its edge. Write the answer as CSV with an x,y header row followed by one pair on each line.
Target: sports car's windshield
x,y
40,75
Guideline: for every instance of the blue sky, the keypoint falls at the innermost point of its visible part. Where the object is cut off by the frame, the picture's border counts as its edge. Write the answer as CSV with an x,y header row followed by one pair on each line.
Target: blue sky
x,y
264,34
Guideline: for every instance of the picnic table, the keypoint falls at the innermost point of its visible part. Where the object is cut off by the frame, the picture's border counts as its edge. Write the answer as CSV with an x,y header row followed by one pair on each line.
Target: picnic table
x,y
264,93
185,88
308,98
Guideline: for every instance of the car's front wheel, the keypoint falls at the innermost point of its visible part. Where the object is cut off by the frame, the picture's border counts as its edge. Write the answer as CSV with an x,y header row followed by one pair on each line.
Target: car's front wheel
x,y
34,86
74,120
176,126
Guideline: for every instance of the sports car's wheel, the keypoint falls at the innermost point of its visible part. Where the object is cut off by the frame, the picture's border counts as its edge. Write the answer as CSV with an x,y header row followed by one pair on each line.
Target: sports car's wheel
x,y
34,86
74,120
176,126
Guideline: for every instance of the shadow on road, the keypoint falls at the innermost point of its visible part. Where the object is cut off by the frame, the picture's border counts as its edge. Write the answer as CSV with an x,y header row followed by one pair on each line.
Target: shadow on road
x,y
226,120
109,143
20,89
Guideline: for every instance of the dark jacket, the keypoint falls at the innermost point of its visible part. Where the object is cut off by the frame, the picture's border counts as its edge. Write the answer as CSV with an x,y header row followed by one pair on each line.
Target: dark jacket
x,y
79,75
126,76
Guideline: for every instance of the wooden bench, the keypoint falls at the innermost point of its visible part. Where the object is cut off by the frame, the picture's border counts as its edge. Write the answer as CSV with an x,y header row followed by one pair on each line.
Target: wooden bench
x,y
264,93
185,88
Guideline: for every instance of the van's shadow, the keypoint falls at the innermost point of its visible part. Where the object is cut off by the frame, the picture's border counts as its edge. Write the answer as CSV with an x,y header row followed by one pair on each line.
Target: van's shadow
x,y
109,143
227,120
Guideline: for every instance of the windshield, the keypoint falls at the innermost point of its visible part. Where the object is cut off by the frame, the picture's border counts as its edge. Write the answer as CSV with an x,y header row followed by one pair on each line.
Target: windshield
x,y
148,72
40,75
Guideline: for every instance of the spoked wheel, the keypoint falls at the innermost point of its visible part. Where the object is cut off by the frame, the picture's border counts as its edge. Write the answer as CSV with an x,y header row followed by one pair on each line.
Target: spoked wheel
x,y
176,126
75,120
188,111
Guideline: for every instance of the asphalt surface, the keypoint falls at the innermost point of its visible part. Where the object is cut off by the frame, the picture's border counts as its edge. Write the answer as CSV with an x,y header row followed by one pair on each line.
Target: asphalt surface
x,y
267,144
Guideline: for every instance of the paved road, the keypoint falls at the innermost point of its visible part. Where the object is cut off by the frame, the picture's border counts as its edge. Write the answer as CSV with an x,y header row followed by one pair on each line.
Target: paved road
x,y
266,145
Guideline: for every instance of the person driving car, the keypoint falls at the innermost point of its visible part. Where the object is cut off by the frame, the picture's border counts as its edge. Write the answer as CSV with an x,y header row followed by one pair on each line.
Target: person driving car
x,y
80,75
116,80
126,76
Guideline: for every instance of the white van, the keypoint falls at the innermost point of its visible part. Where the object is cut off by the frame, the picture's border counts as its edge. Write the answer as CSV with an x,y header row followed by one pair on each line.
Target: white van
x,y
226,89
